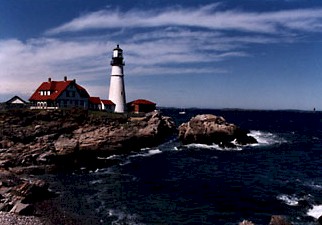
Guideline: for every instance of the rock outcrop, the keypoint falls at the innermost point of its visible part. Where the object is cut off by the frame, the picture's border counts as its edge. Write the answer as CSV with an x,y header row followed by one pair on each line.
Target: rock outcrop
x,y
279,220
39,141
18,194
210,129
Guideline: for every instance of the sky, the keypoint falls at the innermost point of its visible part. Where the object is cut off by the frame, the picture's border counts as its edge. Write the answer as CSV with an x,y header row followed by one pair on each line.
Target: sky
x,y
249,54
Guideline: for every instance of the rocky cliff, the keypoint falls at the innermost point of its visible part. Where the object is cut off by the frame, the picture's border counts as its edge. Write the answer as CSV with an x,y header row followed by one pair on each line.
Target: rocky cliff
x,y
44,140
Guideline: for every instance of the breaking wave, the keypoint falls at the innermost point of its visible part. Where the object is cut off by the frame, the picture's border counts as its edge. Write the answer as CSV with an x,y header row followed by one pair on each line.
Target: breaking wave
x,y
213,146
289,200
266,138
263,139
316,211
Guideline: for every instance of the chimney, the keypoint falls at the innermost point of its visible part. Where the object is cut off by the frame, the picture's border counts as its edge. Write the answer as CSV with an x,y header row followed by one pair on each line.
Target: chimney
x,y
49,79
65,78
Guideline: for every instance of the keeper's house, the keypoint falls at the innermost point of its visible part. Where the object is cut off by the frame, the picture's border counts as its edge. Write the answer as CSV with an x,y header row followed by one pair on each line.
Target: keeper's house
x,y
66,94
59,94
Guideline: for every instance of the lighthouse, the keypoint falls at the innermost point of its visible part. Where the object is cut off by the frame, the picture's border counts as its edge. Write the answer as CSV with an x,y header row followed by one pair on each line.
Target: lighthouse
x,y
117,90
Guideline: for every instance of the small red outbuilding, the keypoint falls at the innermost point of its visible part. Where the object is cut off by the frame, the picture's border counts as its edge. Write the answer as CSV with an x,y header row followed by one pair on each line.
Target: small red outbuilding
x,y
141,105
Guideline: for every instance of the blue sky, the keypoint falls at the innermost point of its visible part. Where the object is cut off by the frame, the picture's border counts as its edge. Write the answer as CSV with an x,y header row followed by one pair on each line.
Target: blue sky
x,y
247,54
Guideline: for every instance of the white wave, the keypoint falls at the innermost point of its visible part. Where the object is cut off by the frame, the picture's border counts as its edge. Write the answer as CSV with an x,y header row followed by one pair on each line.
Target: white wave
x,y
109,157
99,181
154,151
316,211
265,138
150,152
314,186
123,218
289,200
213,146
108,170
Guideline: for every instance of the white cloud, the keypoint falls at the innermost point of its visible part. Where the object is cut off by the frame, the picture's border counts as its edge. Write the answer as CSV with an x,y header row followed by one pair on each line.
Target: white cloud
x,y
209,17
25,64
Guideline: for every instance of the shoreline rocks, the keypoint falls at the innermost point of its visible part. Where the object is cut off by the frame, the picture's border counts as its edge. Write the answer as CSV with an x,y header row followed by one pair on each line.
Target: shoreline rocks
x,y
38,142
18,194
43,141
211,129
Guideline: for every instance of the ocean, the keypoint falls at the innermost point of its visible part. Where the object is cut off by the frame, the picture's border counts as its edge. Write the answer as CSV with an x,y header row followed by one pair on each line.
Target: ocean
x,y
204,184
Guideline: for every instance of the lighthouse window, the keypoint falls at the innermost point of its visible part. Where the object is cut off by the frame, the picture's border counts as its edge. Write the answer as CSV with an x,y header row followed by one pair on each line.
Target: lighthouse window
x,y
115,53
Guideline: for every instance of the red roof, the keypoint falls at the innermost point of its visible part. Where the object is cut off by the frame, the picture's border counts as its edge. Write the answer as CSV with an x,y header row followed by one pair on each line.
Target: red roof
x,y
94,100
107,102
141,102
56,88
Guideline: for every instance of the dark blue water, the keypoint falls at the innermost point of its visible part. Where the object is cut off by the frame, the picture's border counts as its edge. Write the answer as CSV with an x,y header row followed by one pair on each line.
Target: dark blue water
x,y
199,184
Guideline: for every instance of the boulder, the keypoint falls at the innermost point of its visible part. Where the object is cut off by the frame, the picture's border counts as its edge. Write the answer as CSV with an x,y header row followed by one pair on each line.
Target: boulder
x,y
279,220
209,129
64,145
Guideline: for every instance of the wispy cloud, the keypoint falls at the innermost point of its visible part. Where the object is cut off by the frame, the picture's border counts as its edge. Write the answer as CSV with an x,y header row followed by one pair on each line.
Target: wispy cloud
x,y
208,17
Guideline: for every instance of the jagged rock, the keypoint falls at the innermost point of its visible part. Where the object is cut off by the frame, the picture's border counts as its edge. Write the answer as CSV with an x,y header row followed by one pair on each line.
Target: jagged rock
x,y
18,195
65,145
22,209
32,191
279,220
209,129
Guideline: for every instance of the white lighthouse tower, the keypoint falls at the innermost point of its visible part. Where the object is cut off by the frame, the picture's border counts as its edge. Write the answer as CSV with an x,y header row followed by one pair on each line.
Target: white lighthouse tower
x,y
117,90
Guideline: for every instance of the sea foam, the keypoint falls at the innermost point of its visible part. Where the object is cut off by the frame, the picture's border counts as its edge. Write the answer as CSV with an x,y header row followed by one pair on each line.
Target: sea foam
x,y
265,138
316,211
123,218
289,200
213,146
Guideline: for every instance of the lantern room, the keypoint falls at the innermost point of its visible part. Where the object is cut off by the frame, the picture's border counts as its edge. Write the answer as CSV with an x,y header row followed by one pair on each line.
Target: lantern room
x,y
117,58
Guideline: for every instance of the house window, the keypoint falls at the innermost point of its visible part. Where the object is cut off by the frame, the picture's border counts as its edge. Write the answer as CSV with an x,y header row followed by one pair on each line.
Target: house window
x,y
48,92
67,93
41,93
